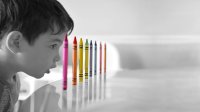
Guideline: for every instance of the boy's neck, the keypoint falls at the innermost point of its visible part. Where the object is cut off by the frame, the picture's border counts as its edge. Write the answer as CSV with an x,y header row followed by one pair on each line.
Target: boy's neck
x,y
6,69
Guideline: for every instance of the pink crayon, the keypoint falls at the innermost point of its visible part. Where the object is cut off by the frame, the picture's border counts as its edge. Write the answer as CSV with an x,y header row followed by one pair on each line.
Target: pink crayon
x,y
65,62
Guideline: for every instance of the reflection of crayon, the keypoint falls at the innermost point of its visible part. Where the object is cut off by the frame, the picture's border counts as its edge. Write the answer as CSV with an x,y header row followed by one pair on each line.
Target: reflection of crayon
x,y
80,98
104,85
91,58
86,93
90,89
95,87
65,62
86,59
95,58
74,98
74,62
81,61
100,67
100,86
64,102
104,58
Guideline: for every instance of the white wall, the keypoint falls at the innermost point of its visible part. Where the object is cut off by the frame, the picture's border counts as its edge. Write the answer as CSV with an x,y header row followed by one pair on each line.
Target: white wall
x,y
134,17
160,33
159,52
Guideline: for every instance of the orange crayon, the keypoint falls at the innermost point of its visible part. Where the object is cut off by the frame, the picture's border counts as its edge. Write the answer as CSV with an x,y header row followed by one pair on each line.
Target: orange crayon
x,y
74,62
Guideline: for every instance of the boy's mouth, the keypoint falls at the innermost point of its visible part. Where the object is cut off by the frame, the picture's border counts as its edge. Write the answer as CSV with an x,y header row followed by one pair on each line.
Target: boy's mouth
x,y
48,71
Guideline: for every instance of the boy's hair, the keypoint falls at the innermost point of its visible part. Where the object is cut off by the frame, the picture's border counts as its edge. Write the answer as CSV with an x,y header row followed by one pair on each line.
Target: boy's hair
x,y
33,17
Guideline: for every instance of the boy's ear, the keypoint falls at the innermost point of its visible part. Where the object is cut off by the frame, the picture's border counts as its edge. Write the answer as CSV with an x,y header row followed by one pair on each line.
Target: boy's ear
x,y
13,41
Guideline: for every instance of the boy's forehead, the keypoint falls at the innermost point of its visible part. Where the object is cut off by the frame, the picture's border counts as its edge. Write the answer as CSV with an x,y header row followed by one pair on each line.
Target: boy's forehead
x,y
55,40
55,37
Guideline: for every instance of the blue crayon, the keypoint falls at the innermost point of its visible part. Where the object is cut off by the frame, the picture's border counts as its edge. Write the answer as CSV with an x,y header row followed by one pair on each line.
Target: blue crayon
x,y
91,58
95,58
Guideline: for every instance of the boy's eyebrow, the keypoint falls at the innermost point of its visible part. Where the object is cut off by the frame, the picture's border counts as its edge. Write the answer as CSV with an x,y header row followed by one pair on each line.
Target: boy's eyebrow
x,y
56,40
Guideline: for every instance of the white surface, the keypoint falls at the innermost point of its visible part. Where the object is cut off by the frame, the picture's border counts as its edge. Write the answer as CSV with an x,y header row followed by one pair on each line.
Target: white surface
x,y
135,17
166,90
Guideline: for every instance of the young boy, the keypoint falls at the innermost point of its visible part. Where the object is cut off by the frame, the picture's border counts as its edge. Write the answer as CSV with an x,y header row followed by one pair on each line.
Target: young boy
x,y
31,32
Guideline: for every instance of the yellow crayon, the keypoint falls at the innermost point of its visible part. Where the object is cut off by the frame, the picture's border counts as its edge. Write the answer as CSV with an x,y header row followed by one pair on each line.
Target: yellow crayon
x,y
81,61
86,59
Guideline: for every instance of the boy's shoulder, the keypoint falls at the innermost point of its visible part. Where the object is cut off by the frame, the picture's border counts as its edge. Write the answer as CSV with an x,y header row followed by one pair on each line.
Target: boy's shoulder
x,y
3,87
10,85
9,94
5,99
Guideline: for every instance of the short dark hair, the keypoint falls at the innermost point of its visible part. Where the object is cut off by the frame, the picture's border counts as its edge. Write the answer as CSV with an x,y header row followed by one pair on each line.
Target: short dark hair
x,y
33,17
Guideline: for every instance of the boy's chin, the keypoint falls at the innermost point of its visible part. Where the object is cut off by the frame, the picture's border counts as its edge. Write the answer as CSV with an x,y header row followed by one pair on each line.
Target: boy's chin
x,y
35,74
38,75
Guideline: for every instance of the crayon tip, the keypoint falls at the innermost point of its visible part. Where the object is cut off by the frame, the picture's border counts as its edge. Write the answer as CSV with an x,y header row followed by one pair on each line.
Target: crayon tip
x,y
95,43
81,41
86,41
75,42
66,38
91,42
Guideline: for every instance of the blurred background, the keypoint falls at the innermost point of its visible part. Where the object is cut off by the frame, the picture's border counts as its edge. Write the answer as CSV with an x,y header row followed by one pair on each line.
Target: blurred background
x,y
140,34
146,34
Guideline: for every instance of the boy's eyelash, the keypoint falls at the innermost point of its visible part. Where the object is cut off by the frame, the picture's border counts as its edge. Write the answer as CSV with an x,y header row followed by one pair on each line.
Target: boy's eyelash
x,y
54,46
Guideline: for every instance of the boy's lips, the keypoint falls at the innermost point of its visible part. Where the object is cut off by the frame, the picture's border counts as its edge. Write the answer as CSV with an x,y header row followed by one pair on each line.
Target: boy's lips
x,y
54,66
48,71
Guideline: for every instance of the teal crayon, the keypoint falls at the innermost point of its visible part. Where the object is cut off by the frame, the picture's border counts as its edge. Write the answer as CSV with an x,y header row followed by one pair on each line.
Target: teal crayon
x,y
95,58
91,46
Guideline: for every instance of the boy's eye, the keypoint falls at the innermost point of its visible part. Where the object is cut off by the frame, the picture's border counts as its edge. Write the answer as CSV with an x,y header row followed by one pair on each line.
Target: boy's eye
x,y
54,46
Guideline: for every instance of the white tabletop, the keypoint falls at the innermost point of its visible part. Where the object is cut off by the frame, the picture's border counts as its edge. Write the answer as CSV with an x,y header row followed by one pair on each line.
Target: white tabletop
x,y
166,90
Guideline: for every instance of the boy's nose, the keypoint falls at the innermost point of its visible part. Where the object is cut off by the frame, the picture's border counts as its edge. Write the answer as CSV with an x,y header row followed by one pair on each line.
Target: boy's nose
x,y
57,58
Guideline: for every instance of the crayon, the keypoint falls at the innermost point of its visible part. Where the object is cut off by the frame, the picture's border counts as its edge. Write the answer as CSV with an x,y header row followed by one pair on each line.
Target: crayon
x,y
91,46
74,62
65,62
90,81
104,58
100,67
86,59
95,58
81,61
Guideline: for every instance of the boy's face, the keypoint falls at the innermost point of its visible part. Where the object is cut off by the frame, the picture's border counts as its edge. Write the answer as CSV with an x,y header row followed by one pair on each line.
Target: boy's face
x,y
37,59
